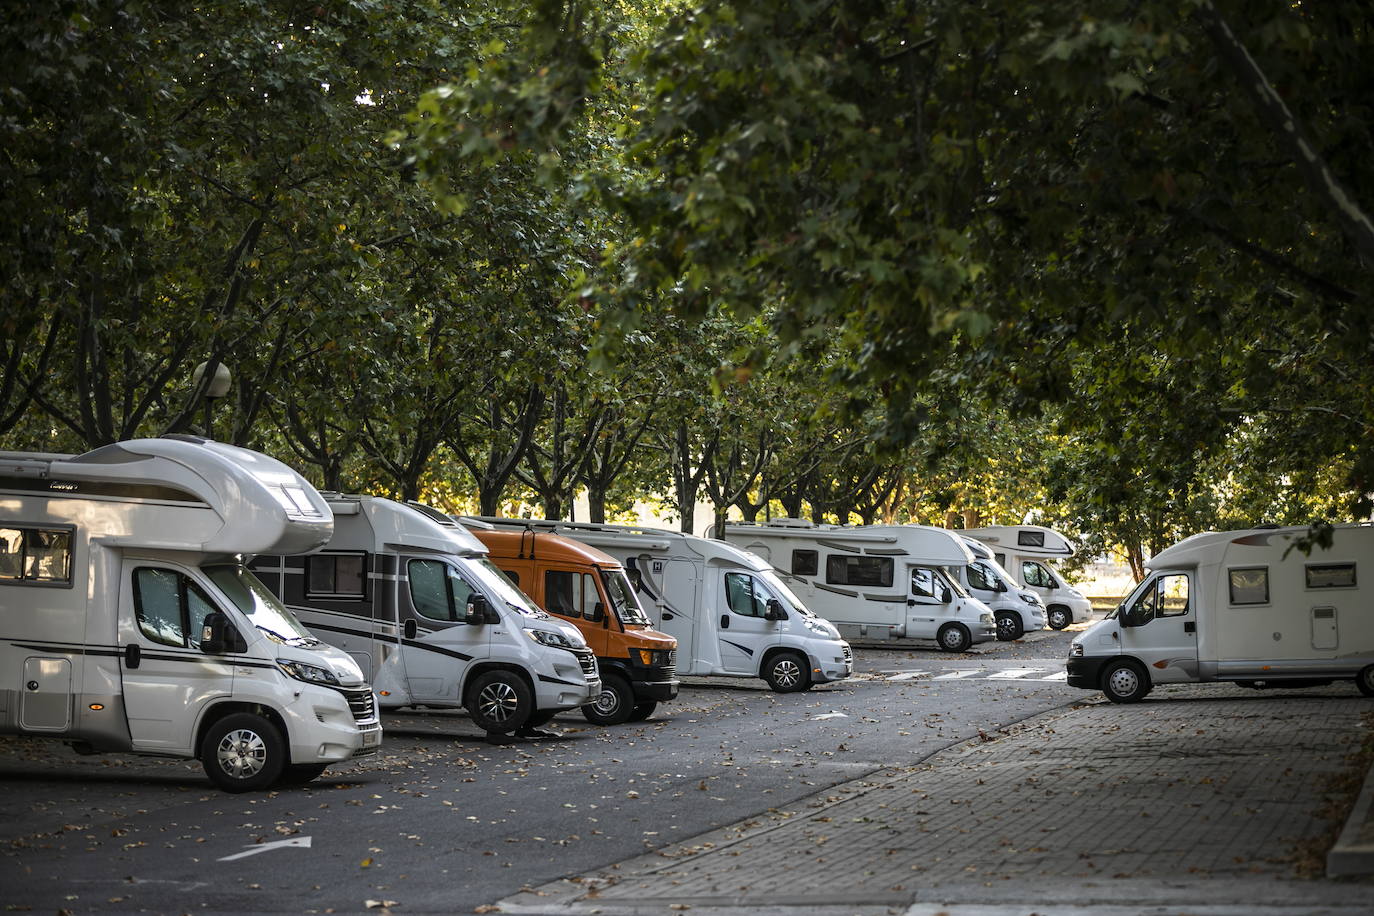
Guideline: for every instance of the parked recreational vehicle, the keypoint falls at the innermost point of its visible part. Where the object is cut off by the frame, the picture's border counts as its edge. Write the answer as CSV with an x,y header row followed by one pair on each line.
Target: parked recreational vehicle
x,y
1027,551
1240,606
1016,609
412,597
130,623
729,613
875,581
588,588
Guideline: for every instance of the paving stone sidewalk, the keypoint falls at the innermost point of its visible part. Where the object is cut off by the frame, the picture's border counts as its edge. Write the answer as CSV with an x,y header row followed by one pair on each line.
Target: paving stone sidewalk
x,y
1202,799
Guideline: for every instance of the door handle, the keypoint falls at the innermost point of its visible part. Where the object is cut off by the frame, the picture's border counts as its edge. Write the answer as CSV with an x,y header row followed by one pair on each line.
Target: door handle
x,y
1189,626
133,654
911,602
408,630
725,621
667,615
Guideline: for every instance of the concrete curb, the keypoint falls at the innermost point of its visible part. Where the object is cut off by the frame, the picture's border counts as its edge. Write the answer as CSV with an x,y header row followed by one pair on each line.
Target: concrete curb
x,y
1353,853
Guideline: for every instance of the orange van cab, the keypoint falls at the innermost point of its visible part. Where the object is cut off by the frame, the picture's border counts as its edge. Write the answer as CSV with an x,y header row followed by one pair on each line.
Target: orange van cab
x,y
589,589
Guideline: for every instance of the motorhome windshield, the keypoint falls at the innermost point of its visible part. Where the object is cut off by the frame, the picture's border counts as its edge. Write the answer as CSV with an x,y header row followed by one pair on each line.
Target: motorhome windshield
x,y
622,598
259,605
953,581
784,593
495,580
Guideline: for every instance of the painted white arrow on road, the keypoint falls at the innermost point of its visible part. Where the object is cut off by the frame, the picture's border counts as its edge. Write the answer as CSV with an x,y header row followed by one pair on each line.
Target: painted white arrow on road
x,y
831,715
302,841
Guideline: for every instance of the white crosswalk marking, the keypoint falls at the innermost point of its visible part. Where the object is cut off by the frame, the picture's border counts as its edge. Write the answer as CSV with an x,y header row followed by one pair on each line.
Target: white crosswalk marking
x,y
1013,673
1057,676
990,674
906,675
956,675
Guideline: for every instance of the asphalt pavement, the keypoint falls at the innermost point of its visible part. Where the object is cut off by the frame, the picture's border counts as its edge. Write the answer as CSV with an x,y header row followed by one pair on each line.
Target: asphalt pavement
x,y
1202,800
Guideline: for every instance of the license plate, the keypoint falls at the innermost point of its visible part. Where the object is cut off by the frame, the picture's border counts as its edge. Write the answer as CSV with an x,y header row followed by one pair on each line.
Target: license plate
x,y
372,739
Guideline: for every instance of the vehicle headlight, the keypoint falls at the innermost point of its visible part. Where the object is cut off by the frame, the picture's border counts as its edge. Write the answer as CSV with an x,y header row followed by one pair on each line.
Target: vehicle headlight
x,y
986,619
821,627
311,674
652,657
1031,598
550,638
1075,650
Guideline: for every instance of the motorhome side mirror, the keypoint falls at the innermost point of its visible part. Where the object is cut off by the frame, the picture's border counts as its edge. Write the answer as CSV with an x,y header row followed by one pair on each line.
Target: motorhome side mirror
x,y
1000,586
772,610
477,609
218,635
1135,616
945,594
598,612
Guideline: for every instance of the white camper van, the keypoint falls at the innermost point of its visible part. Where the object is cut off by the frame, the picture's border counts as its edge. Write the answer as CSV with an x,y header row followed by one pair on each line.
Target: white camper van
x,y
1027,552
1016,609
875,581
131,624
411,596
1239,606
729,613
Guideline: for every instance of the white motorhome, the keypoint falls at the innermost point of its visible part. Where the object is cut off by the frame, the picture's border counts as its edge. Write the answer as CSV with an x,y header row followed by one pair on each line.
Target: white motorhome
x,y
410,595
729,613
875,581
131,624
1028,552
1016,609
1240,606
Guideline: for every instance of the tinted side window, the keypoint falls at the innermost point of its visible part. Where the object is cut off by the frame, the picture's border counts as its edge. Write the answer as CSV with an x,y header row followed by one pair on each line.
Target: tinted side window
x,y
741,595
429,589
36,555
170,608
341,575
923,582
805,562
569,594
1038,576
978,577
845,569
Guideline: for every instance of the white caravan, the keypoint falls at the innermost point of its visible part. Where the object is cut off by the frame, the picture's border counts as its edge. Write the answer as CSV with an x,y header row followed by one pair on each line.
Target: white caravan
x,y
1240,606
131,624
1016,609
411,596
729,613
1026,551
875,581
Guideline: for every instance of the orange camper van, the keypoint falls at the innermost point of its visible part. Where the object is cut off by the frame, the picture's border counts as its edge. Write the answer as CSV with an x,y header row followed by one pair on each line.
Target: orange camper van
x,y
589,589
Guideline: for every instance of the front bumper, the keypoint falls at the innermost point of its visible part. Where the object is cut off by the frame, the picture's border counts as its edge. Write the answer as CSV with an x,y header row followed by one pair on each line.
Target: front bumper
x,y
833,667
658,691
983,634
1086,671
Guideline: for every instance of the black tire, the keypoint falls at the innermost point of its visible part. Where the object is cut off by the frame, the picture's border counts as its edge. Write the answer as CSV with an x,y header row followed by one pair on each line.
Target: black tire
x,y
1058,617
243,752
1009,626
1365,680
643,710
787,672
298,774
499,701
1125,681
954,637
614,705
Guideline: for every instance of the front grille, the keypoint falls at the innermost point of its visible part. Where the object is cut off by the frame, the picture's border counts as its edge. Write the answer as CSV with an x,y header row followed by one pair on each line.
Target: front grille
x,y
672,659
361,702
587,660
848,653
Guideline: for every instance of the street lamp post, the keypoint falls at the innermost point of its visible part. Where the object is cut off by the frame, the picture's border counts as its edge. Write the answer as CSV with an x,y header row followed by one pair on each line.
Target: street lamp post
x,y
218,388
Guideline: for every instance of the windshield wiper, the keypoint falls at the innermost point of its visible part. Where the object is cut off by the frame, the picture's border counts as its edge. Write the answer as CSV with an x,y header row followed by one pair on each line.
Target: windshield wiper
x,y
289,640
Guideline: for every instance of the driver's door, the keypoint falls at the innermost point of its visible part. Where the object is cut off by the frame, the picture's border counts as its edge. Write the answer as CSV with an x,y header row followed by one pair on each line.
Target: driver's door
x,y
927,603
167,680
744,631
1159,627
438,644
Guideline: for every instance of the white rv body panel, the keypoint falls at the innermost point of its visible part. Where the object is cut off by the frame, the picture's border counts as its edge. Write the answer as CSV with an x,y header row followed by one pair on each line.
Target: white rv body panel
x,y
876,581
1017,609
710,596
111,562
1243,606
1028,553
372,592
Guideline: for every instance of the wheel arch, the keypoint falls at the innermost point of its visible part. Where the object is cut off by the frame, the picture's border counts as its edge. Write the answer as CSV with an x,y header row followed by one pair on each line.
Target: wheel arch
x,y
773,652
217,711
481,668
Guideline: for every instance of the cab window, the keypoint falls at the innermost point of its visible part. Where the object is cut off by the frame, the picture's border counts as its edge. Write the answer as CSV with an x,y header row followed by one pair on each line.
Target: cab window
x,y
744,596
570,594
437,591
1038,576
169,607
980,578
1166,596
923,582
